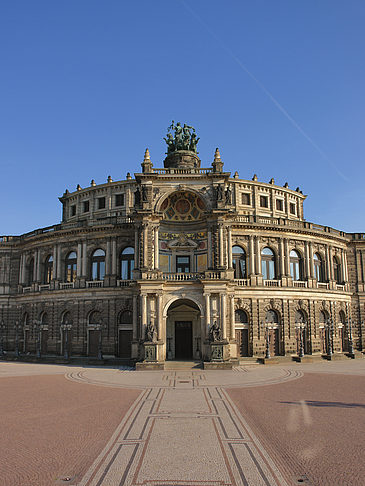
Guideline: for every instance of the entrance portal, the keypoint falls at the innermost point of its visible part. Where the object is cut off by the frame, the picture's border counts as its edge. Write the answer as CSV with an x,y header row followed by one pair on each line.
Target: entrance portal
x,y
183,340
183,331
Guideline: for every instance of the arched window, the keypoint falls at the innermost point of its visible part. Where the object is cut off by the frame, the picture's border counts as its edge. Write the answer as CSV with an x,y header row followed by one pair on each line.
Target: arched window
x,y
300,317
296,266
239,262
66,318
95,318
342,317
268,264
44,318
318,267
48,270
125,318
337,270
240,316
70,267
30,272
98,265
272,317
25,319
127,263
323,317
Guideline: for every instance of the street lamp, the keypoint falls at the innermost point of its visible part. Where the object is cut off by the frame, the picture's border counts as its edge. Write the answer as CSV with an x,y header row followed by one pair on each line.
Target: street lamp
x,y
301,326
17,328
100,344
37,328
66,327
329,329
349,333
266,326
2,333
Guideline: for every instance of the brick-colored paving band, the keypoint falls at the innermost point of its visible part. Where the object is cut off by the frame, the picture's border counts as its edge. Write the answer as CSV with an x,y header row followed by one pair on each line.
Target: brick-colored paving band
x,y
314,426
52,428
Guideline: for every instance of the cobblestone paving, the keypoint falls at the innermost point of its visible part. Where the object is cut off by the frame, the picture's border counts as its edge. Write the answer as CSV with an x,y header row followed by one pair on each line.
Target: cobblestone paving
x,y
253,426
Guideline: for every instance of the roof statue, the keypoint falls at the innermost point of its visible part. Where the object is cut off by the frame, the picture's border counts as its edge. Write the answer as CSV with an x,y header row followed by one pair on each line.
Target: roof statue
x,y
185,138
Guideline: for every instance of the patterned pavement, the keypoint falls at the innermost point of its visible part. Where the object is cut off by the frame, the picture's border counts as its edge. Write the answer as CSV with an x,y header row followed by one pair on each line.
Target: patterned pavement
x,y
184,428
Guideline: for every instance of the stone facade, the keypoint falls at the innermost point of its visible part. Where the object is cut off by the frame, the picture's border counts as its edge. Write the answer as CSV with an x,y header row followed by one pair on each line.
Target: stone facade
x,y
144,268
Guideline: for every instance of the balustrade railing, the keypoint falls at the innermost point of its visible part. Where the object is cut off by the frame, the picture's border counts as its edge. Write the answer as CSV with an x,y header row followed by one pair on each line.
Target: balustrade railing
x,y
124,283
92,284
67,285
44,287
299,283
241,282
272,283
323,285
180,277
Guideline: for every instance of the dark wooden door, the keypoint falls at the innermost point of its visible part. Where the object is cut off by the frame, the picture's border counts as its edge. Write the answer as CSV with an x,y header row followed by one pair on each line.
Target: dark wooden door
x,y
93,343
274,342
44,341
125,339
242,342
183,340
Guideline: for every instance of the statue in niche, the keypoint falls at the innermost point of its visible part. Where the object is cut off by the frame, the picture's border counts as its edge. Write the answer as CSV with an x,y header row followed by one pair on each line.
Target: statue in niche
x,y
228,195
219,193
215,332
144,194
137,197
151,333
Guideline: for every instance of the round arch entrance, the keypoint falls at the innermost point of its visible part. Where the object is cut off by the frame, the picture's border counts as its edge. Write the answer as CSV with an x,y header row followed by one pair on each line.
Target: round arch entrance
x,y
183,331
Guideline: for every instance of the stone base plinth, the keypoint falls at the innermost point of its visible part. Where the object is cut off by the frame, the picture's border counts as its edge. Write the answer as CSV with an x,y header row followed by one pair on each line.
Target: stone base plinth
x,y
350,355
333,357
149,366
217,365
303,359
268,361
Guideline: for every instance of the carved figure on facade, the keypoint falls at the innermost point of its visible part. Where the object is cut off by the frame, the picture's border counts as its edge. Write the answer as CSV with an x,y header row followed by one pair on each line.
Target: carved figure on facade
x,y
151,333
137,197
215,332
219,193
184,138
228,195
144,194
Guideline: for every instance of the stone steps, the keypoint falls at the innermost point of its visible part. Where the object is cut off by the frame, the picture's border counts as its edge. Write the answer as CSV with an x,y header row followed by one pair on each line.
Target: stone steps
x,y
182,365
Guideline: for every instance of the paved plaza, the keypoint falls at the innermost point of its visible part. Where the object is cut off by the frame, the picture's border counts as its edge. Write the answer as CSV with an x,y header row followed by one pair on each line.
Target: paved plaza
x,y
255,425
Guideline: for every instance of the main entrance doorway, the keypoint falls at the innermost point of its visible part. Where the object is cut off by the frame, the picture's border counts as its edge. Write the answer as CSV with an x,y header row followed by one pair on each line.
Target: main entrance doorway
x,y
183,331
183,340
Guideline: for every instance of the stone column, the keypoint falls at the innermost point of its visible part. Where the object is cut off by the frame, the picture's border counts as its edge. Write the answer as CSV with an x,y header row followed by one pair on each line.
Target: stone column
x,y
282,257
258,255
143,315
135,331
79,263
229,249
38,265
345,268
223,316
207,316
311,260
107,257
55,274
286,257
159,317
60,275
145,245
210,262
307,260
136,247
156,249
84,259
221,243
328,264
21,269
114,258
233,329
252,256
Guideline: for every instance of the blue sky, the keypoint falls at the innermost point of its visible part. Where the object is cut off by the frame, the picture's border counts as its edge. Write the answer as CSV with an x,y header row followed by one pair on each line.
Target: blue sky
x,y
86,86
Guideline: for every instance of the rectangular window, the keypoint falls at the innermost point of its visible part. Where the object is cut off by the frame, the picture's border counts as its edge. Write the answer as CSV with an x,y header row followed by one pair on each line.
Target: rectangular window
x,y
183,264
264,201
119,200
280,205
246,199
73,210
86,206
292,208
101,203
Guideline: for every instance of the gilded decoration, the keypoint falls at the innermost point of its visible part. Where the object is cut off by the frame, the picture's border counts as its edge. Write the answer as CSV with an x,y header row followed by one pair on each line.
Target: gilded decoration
x,y
183,206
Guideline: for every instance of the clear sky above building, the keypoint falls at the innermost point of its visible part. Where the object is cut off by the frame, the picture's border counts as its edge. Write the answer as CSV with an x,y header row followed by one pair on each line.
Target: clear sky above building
x,y
87,85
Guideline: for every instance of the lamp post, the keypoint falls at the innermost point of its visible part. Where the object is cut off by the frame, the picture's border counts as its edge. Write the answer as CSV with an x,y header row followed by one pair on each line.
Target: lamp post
x,y
301,327
37,328
329,327
266,326
2,333
17,328
66,327
100,343
349,332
